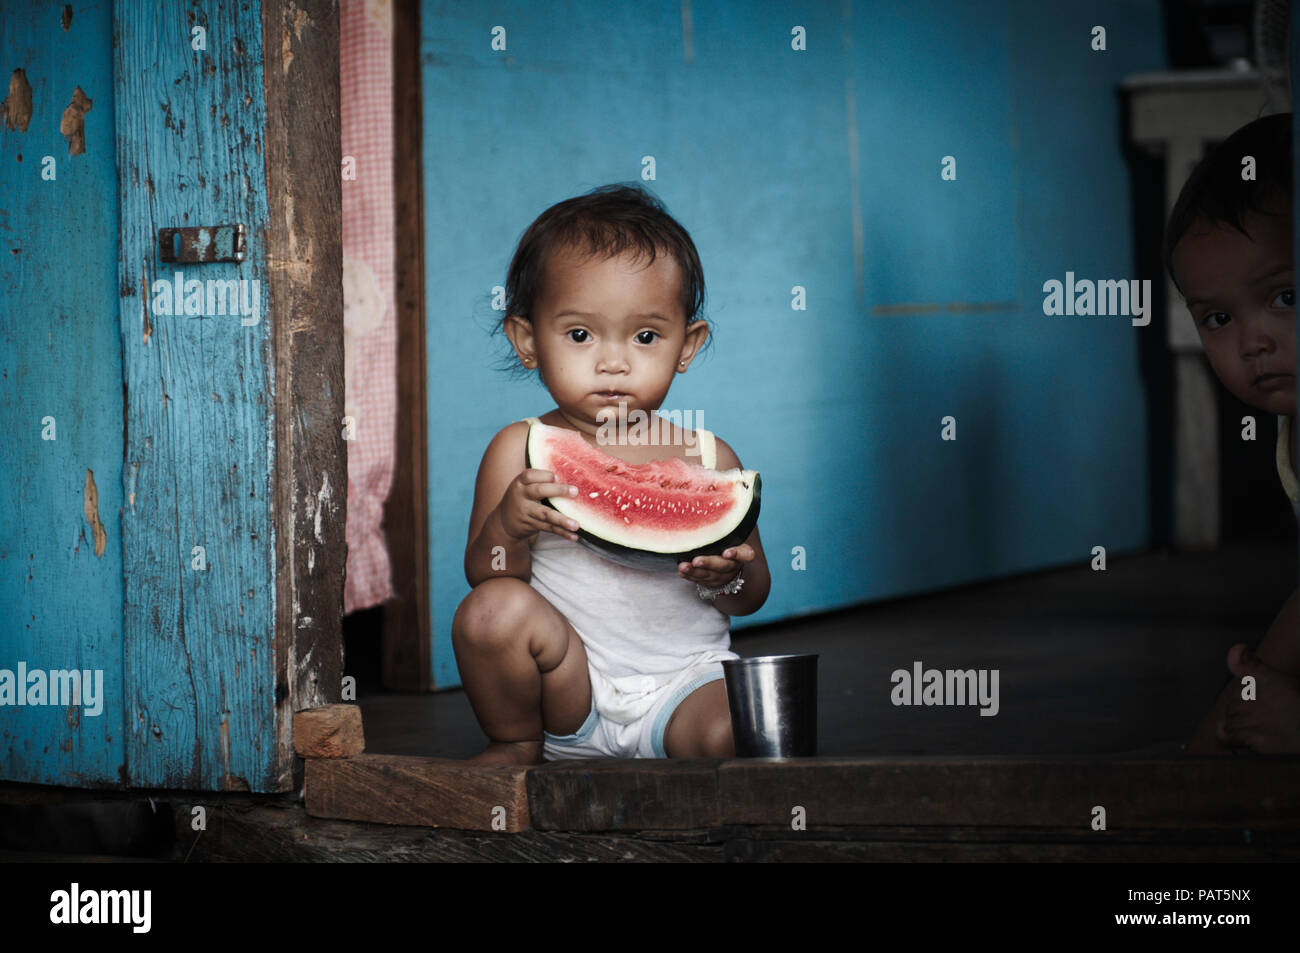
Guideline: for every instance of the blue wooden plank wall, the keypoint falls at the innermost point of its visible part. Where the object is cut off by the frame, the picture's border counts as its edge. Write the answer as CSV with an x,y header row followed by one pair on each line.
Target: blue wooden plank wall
x,y
196,525
60,400
820,168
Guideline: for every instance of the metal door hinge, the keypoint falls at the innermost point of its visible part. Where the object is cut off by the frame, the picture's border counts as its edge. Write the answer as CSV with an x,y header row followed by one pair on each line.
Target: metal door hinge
x,y
202,243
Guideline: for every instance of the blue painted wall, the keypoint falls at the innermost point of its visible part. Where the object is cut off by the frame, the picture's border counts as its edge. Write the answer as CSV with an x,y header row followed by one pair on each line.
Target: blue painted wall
x,y
61,358
820,168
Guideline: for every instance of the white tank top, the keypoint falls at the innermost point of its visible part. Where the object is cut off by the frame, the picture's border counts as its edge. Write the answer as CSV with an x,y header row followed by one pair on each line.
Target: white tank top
x,y
1285,471
631,621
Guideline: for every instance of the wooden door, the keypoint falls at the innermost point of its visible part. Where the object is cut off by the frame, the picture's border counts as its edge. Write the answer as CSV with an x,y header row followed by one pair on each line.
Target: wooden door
x,y
181,533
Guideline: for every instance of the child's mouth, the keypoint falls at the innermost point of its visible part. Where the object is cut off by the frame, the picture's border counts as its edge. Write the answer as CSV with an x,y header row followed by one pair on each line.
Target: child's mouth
x,y
1272,382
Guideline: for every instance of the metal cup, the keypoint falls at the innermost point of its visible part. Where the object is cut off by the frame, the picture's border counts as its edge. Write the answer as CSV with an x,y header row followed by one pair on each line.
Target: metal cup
x,y
773,702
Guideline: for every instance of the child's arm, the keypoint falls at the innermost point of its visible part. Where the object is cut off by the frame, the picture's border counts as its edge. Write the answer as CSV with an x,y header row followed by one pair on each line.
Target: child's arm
x,y
501,464
1279,649
758,582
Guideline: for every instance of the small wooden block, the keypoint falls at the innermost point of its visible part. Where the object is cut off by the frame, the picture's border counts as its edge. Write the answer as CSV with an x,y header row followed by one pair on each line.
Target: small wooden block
x,y
612,794
422,792
331,731
1221,793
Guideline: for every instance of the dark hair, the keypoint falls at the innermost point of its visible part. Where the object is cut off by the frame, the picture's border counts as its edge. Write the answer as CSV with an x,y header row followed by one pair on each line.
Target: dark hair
x,y
607,221
1215,191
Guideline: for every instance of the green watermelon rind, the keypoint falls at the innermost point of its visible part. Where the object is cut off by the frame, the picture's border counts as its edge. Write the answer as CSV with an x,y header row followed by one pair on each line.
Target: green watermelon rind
x,y
665,562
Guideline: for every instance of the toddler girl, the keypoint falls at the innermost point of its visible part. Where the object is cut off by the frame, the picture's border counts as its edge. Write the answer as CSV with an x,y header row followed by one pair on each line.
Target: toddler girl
x,y
564,654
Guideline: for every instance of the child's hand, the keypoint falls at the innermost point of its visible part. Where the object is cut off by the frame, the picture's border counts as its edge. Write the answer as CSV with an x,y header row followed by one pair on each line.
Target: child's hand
x,y
522,513
714,571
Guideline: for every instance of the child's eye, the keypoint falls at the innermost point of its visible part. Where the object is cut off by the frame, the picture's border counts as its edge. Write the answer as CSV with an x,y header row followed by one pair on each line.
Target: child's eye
x,y
1209,320
1286,297
578,331
653,335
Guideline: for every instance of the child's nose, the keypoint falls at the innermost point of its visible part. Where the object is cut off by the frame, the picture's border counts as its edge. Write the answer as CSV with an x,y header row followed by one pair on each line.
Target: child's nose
x,y
1258,335
611,361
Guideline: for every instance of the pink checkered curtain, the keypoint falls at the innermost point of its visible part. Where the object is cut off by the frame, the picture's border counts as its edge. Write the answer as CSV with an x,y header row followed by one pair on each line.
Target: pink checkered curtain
x,y
370,331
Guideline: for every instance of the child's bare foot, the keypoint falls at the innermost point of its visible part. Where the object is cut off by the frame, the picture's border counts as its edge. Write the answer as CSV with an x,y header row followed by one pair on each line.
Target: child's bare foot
x,y
510,752
1270,722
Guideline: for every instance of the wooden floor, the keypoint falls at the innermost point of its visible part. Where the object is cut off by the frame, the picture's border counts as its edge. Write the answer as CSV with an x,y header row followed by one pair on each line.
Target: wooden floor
x,y
817,809
1102,676
1125,660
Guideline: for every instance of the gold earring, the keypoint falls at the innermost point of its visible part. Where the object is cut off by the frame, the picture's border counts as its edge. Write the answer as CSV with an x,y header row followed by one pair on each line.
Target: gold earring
x,y
681,363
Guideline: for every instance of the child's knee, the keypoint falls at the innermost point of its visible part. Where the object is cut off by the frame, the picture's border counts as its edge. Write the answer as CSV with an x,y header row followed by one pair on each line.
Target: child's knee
x,y
492,616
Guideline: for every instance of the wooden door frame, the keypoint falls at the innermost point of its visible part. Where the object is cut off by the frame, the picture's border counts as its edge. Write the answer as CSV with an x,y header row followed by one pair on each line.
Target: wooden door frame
x,y
407,625
304,259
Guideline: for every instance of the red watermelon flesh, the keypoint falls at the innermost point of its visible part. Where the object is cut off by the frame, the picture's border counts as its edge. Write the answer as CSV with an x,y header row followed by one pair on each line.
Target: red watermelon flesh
x,y
669,507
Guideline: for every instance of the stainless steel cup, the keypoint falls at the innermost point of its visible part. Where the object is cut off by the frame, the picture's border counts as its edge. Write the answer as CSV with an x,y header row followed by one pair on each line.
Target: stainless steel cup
x,y
773,702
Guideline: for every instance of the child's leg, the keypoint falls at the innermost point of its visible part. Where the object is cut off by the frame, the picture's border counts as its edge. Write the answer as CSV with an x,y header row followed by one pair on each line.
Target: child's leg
x,y
1280,647
1268,722
523,667
1279,650
701,725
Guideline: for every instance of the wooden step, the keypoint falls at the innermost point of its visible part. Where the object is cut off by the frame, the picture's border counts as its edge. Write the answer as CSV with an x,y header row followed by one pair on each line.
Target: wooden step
x,y
620,794
609,794
1205,793
426,792
688,794
1175,794
330,731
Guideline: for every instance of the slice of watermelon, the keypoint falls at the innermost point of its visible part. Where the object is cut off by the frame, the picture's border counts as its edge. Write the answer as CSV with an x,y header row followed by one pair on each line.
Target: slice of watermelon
x,y
645,515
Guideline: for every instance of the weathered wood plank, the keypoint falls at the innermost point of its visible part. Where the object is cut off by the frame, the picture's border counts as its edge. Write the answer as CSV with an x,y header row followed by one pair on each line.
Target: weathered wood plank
x,y
241,831
331,731
304,259
625,794
889,844
868,850
199,670
425,792
1256,793
239,450
251,827
255,832
60,393
407,637
1225,838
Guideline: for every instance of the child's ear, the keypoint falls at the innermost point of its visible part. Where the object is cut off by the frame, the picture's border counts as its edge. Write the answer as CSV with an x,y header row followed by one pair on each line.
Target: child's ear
x,y
700,329
520,332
